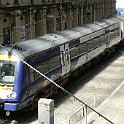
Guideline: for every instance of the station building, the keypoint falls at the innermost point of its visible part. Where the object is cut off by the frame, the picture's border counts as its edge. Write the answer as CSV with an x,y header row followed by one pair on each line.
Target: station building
x,y
25,19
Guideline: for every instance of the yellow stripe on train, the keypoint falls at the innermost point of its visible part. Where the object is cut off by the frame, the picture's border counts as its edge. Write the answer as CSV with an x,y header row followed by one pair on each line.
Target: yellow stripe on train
x,y
5,87
9,58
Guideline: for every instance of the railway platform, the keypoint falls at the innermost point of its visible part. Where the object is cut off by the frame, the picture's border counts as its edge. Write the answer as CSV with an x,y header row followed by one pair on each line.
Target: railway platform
x,y
112,108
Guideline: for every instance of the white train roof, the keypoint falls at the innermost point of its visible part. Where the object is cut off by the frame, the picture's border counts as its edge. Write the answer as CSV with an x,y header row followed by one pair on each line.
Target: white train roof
x,y
47,41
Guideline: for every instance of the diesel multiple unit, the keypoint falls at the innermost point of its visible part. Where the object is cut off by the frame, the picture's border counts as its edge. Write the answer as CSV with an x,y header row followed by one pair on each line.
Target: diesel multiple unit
x,y
57,56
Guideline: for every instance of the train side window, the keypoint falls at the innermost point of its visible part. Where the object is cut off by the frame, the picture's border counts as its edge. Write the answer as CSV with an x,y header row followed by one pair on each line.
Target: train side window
x,y
116,32
82,48
54,62
102,38
42,66
36,75
74,51
27,75
112,34
32,76
96,41
90,45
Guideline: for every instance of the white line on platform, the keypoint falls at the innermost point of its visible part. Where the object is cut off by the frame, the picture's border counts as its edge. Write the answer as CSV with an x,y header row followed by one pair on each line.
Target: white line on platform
x,y
105,101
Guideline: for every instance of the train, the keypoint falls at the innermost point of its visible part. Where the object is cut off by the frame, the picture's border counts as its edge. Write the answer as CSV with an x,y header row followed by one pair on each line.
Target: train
x,y
58,55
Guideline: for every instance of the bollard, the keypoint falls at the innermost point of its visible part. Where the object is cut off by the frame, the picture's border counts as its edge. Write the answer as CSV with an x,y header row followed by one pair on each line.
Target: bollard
x,y
45,111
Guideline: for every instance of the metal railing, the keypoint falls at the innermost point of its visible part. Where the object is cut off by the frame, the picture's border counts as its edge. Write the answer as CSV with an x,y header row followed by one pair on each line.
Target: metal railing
x,y
83,110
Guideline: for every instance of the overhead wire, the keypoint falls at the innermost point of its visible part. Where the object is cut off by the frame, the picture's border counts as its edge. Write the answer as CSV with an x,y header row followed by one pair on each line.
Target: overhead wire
x,y
58,86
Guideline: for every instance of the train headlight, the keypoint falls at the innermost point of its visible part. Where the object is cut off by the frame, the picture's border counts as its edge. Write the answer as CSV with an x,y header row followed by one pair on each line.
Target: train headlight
x,y
7,113
12,95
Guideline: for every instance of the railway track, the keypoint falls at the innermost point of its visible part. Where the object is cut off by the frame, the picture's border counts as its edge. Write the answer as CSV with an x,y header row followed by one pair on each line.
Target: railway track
x,y
97,83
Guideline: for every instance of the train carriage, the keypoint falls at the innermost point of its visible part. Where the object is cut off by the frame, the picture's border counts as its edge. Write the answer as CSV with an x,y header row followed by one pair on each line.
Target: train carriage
x,y
55,55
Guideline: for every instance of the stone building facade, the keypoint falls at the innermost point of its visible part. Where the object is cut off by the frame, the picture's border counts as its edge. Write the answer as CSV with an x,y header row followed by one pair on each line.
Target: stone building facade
x,y
26,19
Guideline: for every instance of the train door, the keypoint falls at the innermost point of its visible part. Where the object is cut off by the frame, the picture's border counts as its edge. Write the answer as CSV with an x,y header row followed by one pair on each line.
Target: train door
x,y
65,58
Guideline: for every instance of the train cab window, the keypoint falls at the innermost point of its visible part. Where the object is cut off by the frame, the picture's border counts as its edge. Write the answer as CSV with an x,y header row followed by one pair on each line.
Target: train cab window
x,y
82,48
7,71
27,75
90,45
74,51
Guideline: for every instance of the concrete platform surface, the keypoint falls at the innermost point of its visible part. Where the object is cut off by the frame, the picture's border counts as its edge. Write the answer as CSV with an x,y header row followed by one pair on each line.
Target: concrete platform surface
x,y
112,108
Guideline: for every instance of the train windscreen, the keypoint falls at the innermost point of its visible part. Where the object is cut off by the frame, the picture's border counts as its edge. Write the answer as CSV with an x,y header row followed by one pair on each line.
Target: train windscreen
x,y
7,70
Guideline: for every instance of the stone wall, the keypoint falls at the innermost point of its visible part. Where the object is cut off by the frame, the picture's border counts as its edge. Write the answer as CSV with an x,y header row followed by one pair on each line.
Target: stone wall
x,y
26,19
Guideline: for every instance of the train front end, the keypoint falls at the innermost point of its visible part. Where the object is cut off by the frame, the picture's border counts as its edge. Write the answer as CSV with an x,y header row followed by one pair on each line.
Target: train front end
x,y
10,80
